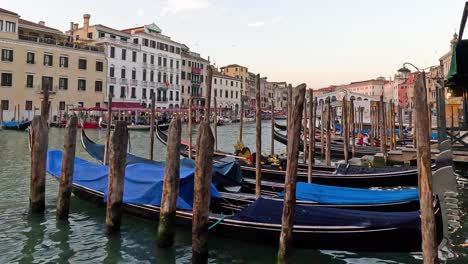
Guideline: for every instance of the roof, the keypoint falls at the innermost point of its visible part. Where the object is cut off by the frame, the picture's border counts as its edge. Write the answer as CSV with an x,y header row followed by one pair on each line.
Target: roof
x,y
116,31
220,75
33,24
136,29
232,65
8,12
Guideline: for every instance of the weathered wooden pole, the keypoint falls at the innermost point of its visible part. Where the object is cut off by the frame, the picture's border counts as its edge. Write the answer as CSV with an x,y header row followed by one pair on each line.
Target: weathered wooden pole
x,y
68,165
400,121
311,136
45,104
166,226
209,77
241,121
190,105
118,157
289,104
353,126
19,113
428,228
14,114
152,115
314,122
372,126
304,129
201,199
322,120
328,144
215,123
272,152
383,137
294,137
108,130
258,124
345,129
39,143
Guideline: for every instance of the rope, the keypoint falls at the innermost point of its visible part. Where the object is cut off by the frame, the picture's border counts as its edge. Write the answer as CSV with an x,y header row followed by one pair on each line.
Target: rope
x,y
217,222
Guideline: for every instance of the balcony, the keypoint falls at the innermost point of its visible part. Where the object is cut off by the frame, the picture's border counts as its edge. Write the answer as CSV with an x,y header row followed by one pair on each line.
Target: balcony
x,y
197,95
112,80
196,70
144,83
61,43
52,90
134,82
117,42
161,99
123,80
152,84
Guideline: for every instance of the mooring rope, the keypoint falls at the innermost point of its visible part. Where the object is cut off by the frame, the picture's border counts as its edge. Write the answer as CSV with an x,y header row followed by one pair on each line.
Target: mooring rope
x,y
219,221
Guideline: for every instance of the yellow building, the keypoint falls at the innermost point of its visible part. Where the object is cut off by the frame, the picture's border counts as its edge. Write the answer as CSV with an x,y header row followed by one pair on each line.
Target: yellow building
x,y
240,72
35,57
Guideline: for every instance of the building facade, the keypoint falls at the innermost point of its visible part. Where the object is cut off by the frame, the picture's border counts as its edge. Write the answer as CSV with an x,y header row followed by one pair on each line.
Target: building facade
x,y
193,78
36,57
368,87
239,72
227,91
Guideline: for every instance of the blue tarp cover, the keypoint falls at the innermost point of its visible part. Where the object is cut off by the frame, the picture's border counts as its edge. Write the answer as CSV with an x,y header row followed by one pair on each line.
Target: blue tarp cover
x,y
270,211
13,123
325,194
143,182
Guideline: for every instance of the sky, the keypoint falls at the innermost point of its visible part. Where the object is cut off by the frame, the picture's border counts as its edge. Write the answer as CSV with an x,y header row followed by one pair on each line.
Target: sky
x,y
317,42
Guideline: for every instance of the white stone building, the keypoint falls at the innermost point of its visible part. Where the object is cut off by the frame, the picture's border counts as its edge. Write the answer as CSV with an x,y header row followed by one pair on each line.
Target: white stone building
x,y
227,91
193,77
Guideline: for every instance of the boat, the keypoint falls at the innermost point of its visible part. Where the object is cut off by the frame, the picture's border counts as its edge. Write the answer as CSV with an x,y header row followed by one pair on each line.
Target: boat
x,y
308,194
313,227
345,175
15,125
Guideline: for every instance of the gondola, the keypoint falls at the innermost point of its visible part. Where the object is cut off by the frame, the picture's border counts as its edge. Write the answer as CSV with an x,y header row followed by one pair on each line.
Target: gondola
x,y
163,127
308,194
347,175
314,227
15,125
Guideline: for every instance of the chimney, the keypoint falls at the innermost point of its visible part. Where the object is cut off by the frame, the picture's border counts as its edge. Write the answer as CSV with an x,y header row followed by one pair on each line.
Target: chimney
x,y
86,18
75,26
71,27
42,23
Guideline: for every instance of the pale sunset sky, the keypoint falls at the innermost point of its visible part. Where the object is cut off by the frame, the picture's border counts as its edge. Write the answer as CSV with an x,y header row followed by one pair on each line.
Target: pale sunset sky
x,y
319,42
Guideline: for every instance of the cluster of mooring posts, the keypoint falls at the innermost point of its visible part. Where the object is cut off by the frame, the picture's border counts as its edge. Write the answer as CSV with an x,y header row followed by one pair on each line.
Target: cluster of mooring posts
x,y
299,117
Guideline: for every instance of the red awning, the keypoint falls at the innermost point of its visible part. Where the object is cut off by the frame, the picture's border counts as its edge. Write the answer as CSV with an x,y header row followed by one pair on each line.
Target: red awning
x,y
79,109
97,108
126,105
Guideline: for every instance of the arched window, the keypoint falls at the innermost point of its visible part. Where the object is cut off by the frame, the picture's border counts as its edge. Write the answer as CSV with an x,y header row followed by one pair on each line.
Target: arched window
x,y
151,76
159,77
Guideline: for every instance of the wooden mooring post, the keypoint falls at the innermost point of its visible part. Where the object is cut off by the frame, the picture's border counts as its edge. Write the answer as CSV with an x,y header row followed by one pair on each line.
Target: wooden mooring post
x,y
108,130
118,157
68,165
400,122
45,104
310,157
215,123
383,137
166,226
353,126
314,121
304,134
272,149
258,135
344,112
328,128
39,143
201,200
241,119
428,227
209,77
322,120
152,123
190,106
294,137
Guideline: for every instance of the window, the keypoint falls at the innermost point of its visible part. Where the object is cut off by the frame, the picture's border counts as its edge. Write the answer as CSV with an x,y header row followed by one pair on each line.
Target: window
x,y
90,35
182,75
143,95
5,104
10,26
177,64
134,55
159,77
7,79
98,86
135,40
144,57
182,89
82,64
122,91
145,42
133,92
48,60
171,64
153,44
221,93
232,94
189,63
170,95
232,83
237,94
63,83
102,34
99,66
98,104
164,62
112,71
170,78
144,75
29,81
215,80
7,55
226,94
164,77
177,79
81,85
111,90
28,106
201,66
124,54
122,73
177,95
151,76
112,52
215,92
133,74
63,62
152,59
47,83
201,78
159,61
183,62
30,58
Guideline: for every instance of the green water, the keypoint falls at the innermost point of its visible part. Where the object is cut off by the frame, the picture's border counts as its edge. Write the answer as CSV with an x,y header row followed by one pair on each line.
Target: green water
x,y
41,239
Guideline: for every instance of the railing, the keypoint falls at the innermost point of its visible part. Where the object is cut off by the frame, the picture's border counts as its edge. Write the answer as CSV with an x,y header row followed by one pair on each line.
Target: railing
x,y
196,70
134,82
50,41
161,99
123,80
52,90
117,41
144,83
152,84
112,80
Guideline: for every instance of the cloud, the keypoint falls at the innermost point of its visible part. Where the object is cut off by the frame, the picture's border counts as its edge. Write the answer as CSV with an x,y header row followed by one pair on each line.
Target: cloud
x,y
272,21
179,6
256,24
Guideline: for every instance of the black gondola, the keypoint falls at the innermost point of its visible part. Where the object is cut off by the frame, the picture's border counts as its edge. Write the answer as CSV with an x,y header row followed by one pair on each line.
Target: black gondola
x,y
14,125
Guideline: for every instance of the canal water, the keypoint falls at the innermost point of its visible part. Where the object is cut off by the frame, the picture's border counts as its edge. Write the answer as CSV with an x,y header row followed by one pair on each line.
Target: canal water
x,y
40,239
